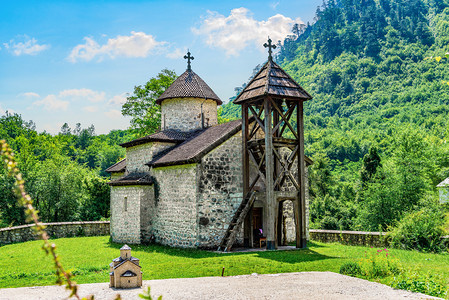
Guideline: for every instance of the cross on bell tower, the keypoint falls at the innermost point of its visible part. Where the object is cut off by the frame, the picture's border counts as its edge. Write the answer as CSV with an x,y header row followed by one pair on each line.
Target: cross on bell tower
x,y
269,46
189,58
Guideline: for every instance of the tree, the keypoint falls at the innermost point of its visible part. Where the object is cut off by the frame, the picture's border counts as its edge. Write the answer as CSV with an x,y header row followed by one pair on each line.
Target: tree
x,y
96,204
65,129
141,105
11,213
371,161
58,189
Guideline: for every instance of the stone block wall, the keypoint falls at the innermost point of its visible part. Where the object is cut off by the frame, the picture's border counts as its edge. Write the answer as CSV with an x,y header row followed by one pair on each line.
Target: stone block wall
x,y
126,212
185,114
353,238
175,221
25,233
138,156
220,191
147,209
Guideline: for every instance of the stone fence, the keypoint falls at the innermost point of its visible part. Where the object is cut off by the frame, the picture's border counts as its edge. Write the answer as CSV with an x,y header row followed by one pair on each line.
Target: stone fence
x,y
354,238
25,233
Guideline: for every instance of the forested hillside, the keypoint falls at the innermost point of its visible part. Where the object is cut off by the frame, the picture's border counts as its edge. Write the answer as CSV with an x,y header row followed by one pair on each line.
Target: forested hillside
x,y
377,127
63,173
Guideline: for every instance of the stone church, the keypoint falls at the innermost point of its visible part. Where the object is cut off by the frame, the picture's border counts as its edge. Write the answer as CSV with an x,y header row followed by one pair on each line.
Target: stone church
x,y
183,185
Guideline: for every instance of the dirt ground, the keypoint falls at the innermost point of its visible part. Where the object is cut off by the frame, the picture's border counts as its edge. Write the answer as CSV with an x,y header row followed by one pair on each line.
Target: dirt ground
x,y
304,285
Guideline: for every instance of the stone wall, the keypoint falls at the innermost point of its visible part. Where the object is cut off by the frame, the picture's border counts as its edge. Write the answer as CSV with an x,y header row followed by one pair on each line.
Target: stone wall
x,y
185,114
220,191
175,214
138,156
25,233
353,238
129,206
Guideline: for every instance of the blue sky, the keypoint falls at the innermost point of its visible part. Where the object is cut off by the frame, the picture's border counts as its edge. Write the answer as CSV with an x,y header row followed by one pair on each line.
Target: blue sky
x,y
75,61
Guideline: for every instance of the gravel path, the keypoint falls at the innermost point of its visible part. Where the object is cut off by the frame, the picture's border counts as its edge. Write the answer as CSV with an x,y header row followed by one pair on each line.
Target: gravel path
x,y
304,285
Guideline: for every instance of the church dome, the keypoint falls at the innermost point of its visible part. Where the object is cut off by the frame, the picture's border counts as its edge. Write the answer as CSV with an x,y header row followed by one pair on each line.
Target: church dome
x,y
189,85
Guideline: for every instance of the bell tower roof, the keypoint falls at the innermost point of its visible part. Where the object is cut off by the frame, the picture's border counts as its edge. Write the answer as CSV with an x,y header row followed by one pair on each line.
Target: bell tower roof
x,y
272,80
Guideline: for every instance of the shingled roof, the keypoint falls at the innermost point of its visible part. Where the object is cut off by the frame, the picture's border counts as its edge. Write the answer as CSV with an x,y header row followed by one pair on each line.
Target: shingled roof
x,y
117,167
193,149
189,85
168,135
272,80
133,179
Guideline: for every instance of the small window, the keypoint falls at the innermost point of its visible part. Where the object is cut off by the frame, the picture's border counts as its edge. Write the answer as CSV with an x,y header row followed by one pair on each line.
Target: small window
x,y
126,203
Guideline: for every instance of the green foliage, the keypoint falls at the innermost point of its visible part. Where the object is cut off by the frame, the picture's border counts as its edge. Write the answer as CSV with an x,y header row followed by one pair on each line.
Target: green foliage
x,y
420,230
384,266
141,105
350,269
375,264
379,264
57,189
371,161
96,204
63,173
420,283
147,295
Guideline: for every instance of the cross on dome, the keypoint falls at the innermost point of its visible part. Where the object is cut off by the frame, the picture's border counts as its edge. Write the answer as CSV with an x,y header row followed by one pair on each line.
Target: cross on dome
x,y
189,58
269,46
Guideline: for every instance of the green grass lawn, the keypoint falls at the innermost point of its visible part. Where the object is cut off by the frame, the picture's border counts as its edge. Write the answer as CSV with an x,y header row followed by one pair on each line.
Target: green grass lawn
x,y
25,264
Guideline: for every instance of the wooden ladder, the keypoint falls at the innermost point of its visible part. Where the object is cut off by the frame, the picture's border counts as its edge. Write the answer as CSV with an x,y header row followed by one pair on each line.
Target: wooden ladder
x,y
237,220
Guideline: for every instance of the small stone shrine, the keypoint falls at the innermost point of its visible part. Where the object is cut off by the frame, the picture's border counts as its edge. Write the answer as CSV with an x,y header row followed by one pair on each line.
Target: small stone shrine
x,y
124,271
200,184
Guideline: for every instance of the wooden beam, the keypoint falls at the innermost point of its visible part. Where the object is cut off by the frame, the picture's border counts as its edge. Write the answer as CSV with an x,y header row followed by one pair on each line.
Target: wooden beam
x,y
301,174
256,117
269,184
283,118
288,115
245,163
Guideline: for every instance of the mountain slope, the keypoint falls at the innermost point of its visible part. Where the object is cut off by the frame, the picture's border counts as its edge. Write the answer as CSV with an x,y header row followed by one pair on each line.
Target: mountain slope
x,y
367,64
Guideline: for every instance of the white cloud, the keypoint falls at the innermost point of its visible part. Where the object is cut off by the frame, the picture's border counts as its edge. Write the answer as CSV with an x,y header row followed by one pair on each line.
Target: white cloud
x,y
30,95
118,99
62,100
113,114
2,111
138,44
90,109
240,29
177,53
52,103
92,96
27,46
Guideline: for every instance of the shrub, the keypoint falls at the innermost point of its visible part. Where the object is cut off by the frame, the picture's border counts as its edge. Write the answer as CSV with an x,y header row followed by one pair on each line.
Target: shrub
x,y
350,269
378,264
329,222
429,285
420,230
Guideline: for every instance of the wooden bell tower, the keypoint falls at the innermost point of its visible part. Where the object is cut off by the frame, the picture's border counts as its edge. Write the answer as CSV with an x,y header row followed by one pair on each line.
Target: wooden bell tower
x,y
269,103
